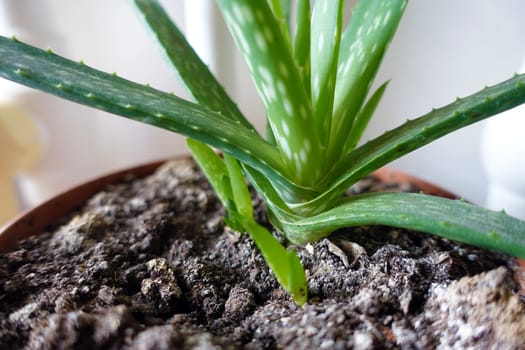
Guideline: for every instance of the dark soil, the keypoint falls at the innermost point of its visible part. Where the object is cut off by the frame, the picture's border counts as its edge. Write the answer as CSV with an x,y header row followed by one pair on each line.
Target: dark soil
x,y
149,264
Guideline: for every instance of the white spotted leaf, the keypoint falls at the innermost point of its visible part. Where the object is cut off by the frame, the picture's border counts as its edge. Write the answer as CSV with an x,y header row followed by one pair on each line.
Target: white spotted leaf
x,y
301,42
325,38
268,55
363,45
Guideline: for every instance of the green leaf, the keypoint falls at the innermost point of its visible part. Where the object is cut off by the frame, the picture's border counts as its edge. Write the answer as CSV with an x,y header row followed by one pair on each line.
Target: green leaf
x,y
227,179
205,89
77,82
199,81
277,79
301,42
284,263
274,202
326,35
297,284
281,11
452,219
416,133
364,43
412,135
241,194
214,169
363,118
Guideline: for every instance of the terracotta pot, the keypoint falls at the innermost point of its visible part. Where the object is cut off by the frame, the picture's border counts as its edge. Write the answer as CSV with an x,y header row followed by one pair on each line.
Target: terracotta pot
x,y
39,218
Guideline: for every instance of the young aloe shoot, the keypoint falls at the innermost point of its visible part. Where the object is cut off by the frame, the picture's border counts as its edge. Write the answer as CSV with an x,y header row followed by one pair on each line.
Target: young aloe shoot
x,y
314,76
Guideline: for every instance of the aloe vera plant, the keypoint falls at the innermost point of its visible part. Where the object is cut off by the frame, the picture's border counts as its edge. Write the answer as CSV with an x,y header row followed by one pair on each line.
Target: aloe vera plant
x,y
314,76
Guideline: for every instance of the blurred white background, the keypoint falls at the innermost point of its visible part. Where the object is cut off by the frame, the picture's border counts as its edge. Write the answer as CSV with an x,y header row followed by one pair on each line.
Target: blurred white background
x,y
442,50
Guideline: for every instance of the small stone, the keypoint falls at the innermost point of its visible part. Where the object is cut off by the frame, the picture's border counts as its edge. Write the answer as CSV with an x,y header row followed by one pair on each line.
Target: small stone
x,y
363,340
152,288
161,287
10,286
138,203
239,304
309,248
472,257
25,313
103,265
405,300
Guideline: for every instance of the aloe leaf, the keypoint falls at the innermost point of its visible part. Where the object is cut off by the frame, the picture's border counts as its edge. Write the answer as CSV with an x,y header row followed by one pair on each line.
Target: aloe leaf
x,y
284,263
416,133
226,178
363,118
213,168
297,284
199,81
281,11
452,219
301,42
241,194
277,79
274,202
363,45
412,135
325,35
205,89
77,82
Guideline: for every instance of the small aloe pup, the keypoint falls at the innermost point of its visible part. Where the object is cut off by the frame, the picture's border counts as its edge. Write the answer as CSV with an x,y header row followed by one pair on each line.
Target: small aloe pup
x,y
314,77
